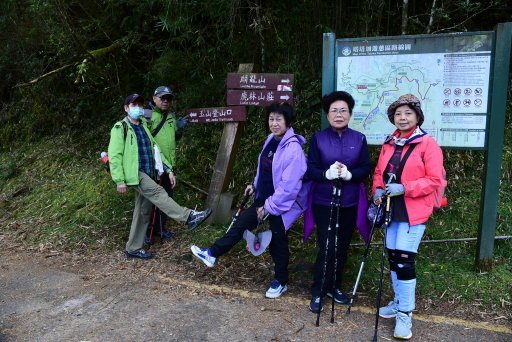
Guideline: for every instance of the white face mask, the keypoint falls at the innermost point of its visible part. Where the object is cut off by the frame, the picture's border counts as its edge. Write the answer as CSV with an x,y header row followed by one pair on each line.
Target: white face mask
x,y
136,113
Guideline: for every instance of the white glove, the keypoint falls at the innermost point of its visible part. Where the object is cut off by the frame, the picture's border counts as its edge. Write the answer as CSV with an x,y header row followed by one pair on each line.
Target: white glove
x,y
332,172
159,166
345,174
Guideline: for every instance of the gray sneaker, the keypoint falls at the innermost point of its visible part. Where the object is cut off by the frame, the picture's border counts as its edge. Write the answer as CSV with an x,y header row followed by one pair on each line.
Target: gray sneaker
x,y
389,311
197,217
403,325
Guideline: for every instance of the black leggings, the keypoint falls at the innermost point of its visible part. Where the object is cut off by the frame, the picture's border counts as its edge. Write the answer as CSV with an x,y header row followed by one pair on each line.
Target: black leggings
x,y
347,221
248,219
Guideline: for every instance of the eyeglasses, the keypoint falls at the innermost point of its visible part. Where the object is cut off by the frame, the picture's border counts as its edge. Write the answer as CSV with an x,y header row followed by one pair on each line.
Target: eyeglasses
x,y
165,98
339,111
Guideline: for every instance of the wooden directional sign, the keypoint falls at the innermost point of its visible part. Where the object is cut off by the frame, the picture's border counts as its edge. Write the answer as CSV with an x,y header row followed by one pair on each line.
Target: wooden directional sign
x,y
279,82
238,97
217,114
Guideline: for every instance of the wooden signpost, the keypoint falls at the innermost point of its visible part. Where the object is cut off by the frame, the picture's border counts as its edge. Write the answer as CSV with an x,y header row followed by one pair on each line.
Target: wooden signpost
x,y
217,114
244,89
262,98
250,89
281,82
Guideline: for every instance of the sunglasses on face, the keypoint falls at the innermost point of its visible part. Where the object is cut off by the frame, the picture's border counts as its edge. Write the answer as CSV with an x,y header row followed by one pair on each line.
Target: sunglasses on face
x,y
165,98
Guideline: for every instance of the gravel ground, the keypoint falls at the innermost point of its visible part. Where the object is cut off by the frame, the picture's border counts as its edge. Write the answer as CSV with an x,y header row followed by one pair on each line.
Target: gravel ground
x,y
54,296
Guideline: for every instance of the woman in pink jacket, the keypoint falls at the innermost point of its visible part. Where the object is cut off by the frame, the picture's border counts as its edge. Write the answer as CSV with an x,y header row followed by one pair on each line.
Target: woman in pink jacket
x,y
413,183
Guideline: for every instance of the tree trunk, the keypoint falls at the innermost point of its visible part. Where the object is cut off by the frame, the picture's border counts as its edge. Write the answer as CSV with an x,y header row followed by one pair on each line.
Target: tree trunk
x,y
431,20
405,18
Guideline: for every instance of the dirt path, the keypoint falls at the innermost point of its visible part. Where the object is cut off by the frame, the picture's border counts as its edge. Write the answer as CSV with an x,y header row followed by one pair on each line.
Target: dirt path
x,y
61,297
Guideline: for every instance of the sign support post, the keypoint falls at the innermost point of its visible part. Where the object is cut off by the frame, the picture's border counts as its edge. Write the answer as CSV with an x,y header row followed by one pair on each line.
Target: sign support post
x,y
228,148
328,69
492,164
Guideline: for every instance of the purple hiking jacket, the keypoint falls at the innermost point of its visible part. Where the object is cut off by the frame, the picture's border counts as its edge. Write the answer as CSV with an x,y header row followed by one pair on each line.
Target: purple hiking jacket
x,y
288,167
326,147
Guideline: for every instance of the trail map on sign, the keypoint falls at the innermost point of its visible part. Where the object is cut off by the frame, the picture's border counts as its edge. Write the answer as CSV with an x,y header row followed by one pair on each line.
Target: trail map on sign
x,y
449,76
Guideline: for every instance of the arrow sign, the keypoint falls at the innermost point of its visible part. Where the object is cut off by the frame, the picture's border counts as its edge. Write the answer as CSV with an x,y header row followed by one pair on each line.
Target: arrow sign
x,y
216,114
262,98
280,82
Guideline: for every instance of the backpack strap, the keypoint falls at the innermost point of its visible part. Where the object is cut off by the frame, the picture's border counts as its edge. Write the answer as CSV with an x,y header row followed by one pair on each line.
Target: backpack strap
x,y
160,125
125,128
403,160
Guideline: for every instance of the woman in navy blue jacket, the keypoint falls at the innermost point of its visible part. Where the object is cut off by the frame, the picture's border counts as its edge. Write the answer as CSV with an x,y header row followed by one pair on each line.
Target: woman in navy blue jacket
x,y
338,156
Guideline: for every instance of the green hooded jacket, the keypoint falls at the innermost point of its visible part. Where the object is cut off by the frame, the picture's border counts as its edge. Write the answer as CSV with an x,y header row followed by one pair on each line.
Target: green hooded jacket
x,y
166,136
123,153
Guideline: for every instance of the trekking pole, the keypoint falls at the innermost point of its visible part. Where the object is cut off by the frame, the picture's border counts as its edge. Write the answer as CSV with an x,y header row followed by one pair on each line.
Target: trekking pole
x,y
244,201
363,261
379,294
153,221
334,275
326,255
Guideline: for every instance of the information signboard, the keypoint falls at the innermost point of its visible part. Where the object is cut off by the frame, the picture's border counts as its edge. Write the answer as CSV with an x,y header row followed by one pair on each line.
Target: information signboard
x,y
449,73
217,114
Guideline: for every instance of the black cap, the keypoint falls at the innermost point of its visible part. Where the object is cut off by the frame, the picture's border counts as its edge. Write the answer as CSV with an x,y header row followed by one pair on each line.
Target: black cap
x,y
133,98
163,90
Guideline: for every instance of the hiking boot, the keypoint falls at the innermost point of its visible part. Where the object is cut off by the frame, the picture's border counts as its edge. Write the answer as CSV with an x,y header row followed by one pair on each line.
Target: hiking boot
x,y
389,311
203,254
403,325
339,297
197,217
140,254
166,235
275,289
314,305
148,241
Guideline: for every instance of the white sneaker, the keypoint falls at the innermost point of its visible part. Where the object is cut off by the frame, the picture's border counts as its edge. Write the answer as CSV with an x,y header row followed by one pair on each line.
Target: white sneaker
x,y
275,289
203,255
403,326
389,311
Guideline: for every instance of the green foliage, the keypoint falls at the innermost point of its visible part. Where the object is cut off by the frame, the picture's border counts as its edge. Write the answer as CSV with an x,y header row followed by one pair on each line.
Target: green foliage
x,y
56,196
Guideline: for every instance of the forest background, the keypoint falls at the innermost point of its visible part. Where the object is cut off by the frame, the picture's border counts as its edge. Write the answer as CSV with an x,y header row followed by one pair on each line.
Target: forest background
x,y
66,67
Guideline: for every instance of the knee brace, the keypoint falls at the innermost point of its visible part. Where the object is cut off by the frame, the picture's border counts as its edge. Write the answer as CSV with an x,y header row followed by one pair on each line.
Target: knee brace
x,y
391,256
405,265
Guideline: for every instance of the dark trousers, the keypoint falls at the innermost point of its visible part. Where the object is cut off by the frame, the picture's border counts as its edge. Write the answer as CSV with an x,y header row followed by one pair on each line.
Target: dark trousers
x,y
278,247
158,218
346,221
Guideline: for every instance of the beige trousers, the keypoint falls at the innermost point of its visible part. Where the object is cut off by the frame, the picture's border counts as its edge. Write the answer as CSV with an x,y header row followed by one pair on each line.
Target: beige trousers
x,y
148,192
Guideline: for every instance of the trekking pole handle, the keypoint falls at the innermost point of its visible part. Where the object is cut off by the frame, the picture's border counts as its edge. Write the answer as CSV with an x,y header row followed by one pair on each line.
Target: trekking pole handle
x,y
245,199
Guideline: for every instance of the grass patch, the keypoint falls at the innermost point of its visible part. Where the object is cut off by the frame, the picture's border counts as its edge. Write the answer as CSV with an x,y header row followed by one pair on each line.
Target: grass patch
x,y
62,198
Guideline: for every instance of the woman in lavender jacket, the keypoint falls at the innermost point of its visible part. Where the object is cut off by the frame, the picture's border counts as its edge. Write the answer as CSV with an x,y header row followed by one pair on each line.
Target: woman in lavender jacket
x,y
278,191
